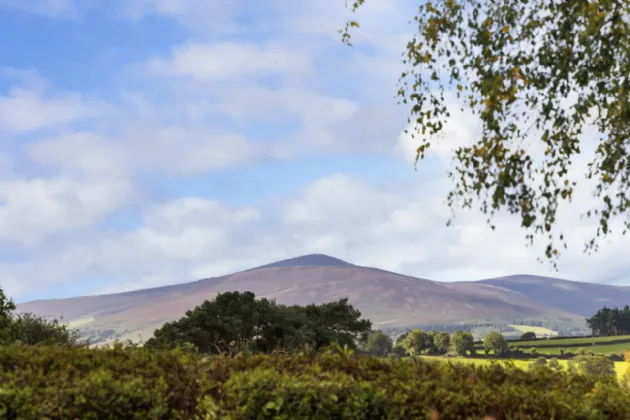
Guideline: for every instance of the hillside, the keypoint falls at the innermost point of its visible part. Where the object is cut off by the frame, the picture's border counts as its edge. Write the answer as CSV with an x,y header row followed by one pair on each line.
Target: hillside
x,y
388,299
577,297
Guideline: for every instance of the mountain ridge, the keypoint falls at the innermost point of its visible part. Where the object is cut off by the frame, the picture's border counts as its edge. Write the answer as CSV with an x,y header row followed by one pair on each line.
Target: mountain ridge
x,y
389,299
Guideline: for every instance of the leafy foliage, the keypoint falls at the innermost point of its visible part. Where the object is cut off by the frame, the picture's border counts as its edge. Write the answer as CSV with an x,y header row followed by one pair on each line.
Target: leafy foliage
x,y
609,322
234,322
496,343
528,336
441,341
379,344
535,72
31,329
594,365
415,342
461,343
133,382
6,309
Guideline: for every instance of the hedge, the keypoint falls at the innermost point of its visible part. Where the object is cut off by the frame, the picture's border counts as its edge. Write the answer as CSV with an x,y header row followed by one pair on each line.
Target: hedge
x,y
80,383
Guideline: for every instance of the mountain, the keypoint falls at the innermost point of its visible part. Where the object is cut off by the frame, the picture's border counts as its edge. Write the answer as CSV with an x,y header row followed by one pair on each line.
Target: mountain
x,y
388,299
577,297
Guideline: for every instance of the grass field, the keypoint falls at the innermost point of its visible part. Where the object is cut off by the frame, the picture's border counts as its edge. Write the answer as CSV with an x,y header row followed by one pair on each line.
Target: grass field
x,y
605,349
586,341
539,331
620,367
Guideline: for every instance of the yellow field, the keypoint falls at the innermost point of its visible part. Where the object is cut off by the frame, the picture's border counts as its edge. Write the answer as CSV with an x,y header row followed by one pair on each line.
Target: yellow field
x,y
620,367
539,331
75,323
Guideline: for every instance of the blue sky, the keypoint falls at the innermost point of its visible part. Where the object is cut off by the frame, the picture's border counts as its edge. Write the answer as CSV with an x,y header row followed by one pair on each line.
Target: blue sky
x,y
152,142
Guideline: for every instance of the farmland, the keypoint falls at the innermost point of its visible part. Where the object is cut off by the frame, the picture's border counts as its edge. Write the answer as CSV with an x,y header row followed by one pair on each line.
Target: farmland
x,y
598,345
539,331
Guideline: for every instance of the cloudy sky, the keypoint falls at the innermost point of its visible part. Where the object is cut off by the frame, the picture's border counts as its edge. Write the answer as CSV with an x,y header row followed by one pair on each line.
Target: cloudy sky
x,y
148,142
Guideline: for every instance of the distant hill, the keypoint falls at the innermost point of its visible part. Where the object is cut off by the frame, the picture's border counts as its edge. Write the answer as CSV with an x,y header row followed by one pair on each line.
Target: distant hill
x,y
388,299
583,299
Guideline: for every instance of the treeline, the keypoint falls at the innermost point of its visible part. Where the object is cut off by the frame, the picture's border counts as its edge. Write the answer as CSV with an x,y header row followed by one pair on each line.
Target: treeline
x,y
610,322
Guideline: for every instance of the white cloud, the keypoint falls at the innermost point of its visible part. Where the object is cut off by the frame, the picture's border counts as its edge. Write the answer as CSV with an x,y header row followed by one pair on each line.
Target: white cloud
x,y
34,208
216,61
23,111
205,107
190,238
83,151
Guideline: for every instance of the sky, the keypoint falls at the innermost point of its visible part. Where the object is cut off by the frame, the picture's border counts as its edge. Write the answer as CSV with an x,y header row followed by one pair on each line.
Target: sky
x,y
152,142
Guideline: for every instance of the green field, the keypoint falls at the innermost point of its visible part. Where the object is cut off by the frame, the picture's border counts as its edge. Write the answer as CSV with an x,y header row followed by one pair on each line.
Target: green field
x,y
539,331
605,349
586,341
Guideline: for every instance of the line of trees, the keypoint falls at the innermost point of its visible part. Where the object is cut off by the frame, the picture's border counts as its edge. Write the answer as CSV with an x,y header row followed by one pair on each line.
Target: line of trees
x,y
610,322
419,342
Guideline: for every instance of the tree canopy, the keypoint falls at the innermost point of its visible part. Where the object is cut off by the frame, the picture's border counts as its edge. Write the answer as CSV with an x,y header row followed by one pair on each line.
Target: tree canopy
x,y
31,329
529,335
537,73
496,343
235,322
609,322
462,343
379,344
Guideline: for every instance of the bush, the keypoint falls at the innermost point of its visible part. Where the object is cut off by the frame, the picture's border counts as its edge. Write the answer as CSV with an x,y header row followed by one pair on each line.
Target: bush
x,y
81,383
554,364
32,329
134,382
593,365
528,336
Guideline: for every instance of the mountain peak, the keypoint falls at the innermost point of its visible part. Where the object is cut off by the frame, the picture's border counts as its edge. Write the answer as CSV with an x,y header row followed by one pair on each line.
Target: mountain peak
x,y
316,260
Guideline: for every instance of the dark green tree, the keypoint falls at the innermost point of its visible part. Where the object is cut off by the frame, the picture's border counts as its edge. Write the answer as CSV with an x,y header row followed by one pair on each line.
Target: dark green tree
x,y
415,342
234,322
379,344
401,338
32,329
610,322
462,343
495,342
230,323
528,336
335,322
6,310
536,72
441,342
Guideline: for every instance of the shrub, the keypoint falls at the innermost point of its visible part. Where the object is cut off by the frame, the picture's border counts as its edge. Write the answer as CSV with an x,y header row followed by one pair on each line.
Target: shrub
x,y
536,363
593,365
528,336
399,351
57,382
75,382
554,364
